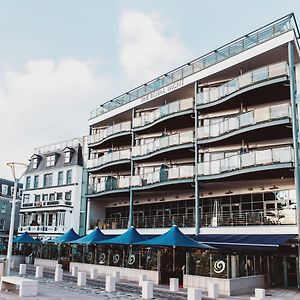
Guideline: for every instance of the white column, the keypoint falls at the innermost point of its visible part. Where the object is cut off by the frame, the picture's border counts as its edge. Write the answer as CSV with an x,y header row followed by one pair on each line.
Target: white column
x,y
174,284
39,271
58,277
147,290
110,284
22,269
88,210
81,279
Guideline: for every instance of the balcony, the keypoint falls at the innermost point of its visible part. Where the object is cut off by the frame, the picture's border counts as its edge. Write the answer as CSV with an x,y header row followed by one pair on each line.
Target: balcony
x,y
42,204
166,143
252,161
109,158
162,113
115,130
244,122
242,83
42,229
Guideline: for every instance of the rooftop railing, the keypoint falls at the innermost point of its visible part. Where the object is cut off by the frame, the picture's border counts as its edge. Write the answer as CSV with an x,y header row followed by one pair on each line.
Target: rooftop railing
x,y
250,78
58,146
235,47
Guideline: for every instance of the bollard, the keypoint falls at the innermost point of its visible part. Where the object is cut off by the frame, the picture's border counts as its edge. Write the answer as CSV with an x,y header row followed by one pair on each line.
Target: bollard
x,y
12,264
142,278
110,284
116,274
59,266
81,279
194,294
260,294
39,270
147,289
213,290
22,269
74,271
94,274
58,277
174,284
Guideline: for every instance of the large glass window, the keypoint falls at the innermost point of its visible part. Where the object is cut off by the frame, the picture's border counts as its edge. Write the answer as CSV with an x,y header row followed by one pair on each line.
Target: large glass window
x,y
48,180
50,160
36,181
60,178
3,208
27,184
69,177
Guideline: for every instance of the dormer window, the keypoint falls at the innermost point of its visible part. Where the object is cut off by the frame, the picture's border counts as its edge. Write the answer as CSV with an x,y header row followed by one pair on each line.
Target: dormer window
x,y
68,155
35,161
50,160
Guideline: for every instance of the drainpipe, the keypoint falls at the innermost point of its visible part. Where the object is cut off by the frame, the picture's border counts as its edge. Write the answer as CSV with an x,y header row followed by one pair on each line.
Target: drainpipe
x,y
295,130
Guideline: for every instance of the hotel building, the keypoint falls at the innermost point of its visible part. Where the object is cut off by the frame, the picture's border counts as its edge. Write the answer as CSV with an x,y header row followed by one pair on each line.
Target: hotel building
x,y
210,146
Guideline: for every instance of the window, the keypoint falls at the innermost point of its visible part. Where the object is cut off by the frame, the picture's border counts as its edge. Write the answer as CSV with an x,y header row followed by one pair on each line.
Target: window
x,y
60,178
45,197
69,176
50,160
36,181
35,163
59,196
51,197
2,224
26,198
47,180
68,196
27,184
3,208
67,157
4,189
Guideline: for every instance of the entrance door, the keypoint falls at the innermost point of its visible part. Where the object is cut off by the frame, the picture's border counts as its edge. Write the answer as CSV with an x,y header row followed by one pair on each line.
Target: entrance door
x,y
291,266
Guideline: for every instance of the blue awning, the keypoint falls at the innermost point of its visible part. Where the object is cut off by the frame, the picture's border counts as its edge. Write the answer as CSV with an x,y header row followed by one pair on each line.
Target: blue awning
x,y
95,236
69,236
245,241
130,237
174,238
25,238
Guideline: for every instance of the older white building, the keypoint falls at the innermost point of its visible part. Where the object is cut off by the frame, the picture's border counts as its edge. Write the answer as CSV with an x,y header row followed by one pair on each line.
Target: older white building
x,y
51,202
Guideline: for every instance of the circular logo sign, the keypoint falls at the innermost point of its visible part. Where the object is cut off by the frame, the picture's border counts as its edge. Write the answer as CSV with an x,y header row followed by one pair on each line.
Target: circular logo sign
x,y
219,266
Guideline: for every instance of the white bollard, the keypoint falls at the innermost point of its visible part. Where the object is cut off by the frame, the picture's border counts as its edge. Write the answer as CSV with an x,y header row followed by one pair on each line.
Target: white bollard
x,y
194,294
39,270
94,274
213,290
22,269
81,279
58,277
12,264
74,271
116,274
110,284
59,266
260,293
174,284
147,289
142,278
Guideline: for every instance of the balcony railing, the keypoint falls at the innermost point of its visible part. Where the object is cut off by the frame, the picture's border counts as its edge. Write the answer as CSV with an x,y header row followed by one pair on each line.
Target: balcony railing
x,y
109,157
48,229
251,78
254,158
58,146
244,120
163,142
47,203
109,131
244,43
165,110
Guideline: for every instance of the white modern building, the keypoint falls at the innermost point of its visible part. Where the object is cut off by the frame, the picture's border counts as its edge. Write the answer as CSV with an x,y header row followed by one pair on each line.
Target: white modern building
x,y
52,197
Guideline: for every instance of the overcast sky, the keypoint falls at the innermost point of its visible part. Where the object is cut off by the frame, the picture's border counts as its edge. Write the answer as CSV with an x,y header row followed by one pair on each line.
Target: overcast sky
x,y
60,59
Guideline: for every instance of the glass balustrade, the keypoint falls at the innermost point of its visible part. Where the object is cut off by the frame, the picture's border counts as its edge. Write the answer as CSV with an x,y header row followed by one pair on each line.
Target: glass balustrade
x,y
254,158
253,117
244,43
163,142
165,110
109,131
109,157
245,80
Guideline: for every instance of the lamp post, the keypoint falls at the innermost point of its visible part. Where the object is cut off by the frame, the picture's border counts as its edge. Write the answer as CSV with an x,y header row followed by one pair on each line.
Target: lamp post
x,y
17,172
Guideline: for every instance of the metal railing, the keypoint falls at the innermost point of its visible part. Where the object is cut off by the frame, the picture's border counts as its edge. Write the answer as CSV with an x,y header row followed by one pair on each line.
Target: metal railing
x,y
250,78
162,111
58,146
253,158
109,131
244,120
108,157
235,47
163,142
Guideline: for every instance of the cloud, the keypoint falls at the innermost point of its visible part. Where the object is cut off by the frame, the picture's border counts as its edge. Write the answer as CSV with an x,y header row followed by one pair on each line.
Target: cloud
x,y
146,47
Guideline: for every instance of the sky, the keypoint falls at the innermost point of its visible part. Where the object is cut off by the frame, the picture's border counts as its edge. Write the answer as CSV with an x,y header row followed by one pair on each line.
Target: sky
x,y
60,59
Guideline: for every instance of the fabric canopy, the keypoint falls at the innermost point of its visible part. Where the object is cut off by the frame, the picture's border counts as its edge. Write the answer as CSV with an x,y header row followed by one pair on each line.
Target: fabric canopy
x,y
174,238
25,238
69,236
95,236
131,236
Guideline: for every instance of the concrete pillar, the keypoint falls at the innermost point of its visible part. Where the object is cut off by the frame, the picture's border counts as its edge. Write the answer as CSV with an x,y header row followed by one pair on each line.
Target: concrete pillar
x,y
194,294
147,290
116,274
174,284
233,266
94,273
81,279
110,284
39,270
260,294
213,290
74,271
58,276
142,278
22,269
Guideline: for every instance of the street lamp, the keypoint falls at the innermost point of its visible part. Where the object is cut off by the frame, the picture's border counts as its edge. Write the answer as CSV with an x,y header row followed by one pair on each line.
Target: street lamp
x,y
18,170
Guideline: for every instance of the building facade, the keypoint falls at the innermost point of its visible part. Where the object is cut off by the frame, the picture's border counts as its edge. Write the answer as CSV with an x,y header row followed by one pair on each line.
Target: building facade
x,y
210,146
52,196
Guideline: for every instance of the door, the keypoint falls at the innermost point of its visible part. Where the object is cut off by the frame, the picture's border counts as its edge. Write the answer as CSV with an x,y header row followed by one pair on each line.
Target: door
x,y
291,266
